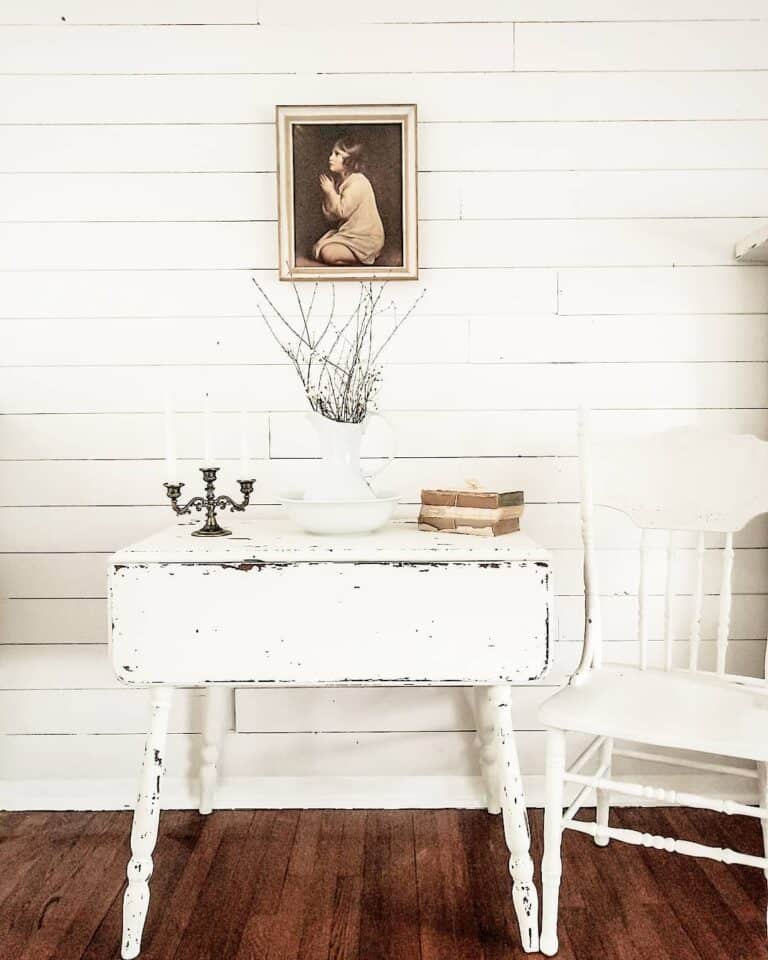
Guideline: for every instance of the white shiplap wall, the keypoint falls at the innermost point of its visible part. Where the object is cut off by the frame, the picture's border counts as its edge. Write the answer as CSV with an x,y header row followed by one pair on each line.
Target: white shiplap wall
x,y
585,168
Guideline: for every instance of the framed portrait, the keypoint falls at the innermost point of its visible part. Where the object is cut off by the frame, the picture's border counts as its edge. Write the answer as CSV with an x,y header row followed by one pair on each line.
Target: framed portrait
x,y
347,207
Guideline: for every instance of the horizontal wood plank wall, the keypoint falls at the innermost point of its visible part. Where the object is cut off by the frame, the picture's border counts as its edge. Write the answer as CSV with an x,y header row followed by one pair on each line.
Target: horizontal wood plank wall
x,y
585,170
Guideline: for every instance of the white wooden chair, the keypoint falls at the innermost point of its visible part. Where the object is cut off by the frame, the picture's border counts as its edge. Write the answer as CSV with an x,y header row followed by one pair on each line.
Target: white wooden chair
x,y
690,483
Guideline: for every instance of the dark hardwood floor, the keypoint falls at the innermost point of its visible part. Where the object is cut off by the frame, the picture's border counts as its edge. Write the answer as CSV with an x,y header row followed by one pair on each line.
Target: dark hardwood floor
x,y
369,885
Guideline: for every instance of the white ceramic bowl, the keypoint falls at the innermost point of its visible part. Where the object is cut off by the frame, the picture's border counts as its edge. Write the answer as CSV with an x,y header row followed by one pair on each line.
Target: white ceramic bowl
x,y
339,516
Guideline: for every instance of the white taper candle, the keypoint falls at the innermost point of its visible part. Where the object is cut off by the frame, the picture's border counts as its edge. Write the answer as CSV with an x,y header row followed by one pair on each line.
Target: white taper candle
x,y
245,466
207,431
170,441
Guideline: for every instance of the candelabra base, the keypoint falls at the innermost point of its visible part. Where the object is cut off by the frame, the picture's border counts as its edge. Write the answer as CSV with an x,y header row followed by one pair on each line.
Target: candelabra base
x,y
215,531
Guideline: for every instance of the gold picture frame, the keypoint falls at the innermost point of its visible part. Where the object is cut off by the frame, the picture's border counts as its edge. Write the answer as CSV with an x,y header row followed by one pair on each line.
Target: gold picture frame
x,y
347,192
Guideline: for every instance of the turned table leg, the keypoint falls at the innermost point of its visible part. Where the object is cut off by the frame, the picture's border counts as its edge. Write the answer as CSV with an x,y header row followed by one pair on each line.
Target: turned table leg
x,y
486,746
217,699
516,830
145,824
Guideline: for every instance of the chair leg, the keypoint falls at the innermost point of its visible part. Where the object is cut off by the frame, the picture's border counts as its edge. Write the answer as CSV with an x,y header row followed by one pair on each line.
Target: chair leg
x,y
762,772
216,701
604,796
516,832
551,866
486,747
145,823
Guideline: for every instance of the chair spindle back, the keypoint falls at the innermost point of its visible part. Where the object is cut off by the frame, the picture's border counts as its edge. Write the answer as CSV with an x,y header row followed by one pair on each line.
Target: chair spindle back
x,y
691,483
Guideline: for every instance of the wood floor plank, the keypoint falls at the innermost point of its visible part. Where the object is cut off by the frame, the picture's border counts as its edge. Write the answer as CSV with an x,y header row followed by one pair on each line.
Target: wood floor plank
x,y
269,874
401,892
717,886
211,929
69,921
391,901
353,849
297,888
489,898
454,869
744,834
689,893
22,836
107,936
168,919
289,921
435,926
28,841
344,942
370,885
304,852
623,863
24,909
706,827
252,864
178,837
483,892
639,928
608,926
318,911
268,880
677,943
578,926
374,919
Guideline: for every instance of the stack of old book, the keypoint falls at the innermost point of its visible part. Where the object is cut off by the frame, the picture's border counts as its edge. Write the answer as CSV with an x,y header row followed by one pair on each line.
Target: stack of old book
x,y
476,512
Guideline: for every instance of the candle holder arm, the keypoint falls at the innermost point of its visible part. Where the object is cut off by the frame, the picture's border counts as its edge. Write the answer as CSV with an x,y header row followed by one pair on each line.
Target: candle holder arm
x,y
224,502
173,491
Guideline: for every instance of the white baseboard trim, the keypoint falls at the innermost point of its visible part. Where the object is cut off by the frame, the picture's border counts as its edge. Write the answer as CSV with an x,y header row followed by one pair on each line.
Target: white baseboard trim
x,y
344,793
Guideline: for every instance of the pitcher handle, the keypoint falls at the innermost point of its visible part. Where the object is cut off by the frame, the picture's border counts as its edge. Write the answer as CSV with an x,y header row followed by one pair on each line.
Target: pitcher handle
x,y
392,441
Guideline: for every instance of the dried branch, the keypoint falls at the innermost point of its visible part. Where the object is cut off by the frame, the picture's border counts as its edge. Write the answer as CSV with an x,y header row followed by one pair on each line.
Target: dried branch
x,y
341,377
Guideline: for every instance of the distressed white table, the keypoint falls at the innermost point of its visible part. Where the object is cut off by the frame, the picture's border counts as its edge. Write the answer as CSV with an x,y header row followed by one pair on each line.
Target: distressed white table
x,y
271,606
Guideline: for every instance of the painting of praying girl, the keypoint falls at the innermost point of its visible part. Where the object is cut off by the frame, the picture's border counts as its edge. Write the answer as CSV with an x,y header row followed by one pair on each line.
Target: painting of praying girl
x,y
349,202
347,192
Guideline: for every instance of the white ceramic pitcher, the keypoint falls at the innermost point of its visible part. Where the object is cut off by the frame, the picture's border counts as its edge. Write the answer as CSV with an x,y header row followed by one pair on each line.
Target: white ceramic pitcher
x,y
339,475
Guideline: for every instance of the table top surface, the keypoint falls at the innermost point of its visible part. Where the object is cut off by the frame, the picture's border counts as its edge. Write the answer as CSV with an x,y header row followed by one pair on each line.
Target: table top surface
x,y
266,534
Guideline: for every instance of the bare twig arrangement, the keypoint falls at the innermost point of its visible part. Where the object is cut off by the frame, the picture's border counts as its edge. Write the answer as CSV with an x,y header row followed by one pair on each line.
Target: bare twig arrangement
x,y
337,360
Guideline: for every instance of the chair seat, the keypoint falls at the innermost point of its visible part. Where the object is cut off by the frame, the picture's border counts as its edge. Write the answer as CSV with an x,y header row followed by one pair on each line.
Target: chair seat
x,y
676,709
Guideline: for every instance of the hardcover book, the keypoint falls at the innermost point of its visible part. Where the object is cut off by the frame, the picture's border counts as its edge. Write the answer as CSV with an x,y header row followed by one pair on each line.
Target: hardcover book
x,y
484,514
475,528
472,498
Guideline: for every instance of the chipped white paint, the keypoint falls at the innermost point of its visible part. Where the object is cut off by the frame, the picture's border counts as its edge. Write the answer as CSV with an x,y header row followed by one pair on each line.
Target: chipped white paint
x,y
269,536
145,824
267,597
270,606
551,864
682,480
516,832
